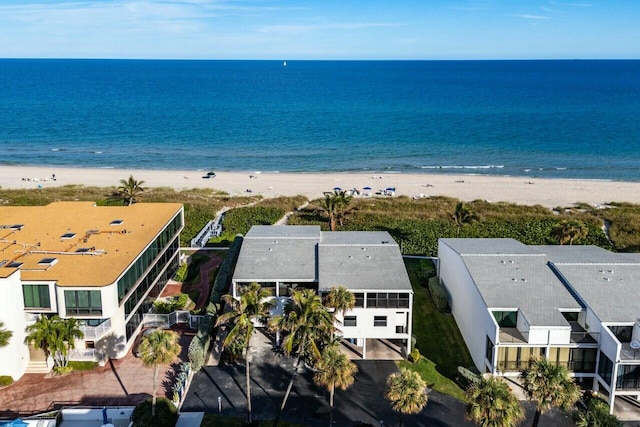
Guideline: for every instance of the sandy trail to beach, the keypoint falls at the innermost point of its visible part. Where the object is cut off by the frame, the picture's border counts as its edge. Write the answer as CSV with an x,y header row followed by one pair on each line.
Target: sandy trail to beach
x,y
528,191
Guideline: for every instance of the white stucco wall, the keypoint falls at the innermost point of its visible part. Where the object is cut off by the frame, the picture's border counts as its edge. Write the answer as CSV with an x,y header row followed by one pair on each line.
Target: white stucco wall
x,y
14,357
365,328
469,309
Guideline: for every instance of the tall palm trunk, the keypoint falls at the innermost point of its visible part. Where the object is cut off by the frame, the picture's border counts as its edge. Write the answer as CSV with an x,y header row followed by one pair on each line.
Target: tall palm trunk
x,y
536,418
248,379
155,386
331,393
291,381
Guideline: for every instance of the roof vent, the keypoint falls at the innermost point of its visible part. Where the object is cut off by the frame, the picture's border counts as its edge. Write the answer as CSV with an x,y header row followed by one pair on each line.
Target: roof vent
x,y
384,242
524,280
607,279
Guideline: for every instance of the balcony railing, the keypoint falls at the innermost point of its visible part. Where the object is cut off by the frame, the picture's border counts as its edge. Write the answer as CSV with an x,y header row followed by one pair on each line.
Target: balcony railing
x,y
585,337
513,366
628,384
87,354
95,332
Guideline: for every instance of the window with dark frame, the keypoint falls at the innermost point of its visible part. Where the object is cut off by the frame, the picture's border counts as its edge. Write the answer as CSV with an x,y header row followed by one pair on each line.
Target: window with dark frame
x,y
350,321
36,296
379,320
83,302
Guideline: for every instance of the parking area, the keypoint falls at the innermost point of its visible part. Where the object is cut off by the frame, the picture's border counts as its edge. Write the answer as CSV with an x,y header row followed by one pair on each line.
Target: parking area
x,y
222,389
120,382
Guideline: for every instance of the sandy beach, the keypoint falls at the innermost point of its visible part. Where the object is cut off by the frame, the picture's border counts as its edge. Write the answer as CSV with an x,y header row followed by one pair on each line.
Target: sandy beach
x,y
528,191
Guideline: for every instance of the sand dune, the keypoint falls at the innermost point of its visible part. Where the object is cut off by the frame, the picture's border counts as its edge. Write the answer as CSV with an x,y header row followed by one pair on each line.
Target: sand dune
x,y
528,191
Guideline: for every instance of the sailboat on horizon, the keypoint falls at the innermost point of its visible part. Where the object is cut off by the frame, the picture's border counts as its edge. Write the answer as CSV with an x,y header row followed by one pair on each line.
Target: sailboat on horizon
x,y
284,64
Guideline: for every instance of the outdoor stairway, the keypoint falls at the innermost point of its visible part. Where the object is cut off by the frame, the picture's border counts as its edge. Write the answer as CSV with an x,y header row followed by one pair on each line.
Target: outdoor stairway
x,y
37,367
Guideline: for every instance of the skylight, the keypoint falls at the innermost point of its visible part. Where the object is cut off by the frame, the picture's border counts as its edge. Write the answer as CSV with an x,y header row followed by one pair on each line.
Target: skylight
x,y
116,222
47,261
83,250
68,236
14,264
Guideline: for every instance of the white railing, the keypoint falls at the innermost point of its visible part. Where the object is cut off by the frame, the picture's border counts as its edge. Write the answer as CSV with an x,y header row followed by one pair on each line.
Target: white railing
x,y
165,320
87,354
95,332
212,229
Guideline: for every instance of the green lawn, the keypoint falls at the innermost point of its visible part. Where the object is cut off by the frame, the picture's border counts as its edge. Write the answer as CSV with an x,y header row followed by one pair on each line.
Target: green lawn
x,y
437,335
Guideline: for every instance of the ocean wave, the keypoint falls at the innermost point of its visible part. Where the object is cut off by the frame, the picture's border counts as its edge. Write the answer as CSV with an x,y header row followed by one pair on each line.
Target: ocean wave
x,y
463,167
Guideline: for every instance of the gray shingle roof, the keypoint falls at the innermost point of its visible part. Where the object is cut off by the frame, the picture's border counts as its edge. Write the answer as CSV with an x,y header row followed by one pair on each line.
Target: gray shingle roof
x,y
612,291
357,260
362,267
510,274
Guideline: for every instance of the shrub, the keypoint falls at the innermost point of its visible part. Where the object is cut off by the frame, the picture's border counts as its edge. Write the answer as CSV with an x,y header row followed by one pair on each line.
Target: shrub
x,y
85,365
240,220
171,304
438,294
6,380
415,355
181,272
166,414
200,343
62,370
196,353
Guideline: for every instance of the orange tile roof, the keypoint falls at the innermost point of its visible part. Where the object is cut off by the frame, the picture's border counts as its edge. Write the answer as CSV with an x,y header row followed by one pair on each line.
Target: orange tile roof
x,y
110,248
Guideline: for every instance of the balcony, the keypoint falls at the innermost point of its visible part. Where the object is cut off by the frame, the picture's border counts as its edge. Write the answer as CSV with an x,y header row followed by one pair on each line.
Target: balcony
x,y
628,384
629,353
95,332
575,366
511,336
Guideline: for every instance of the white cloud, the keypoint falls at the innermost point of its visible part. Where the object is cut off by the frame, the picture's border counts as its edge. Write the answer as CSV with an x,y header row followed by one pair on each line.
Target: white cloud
x,y
528,16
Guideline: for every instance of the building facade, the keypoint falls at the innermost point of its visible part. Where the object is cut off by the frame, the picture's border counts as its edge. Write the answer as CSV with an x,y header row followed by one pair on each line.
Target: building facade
x,y
574,305
369,264
103,265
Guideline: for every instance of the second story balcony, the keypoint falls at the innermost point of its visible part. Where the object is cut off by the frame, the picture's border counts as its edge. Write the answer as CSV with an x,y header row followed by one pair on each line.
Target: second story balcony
x,y
96,332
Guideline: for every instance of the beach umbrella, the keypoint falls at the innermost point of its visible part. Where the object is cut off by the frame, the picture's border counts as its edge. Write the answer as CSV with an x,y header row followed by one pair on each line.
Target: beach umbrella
x,y
391,189
337,189
367,188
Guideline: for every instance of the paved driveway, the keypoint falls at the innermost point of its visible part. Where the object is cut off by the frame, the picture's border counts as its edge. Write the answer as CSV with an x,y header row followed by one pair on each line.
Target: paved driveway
x,y
308,405
120,382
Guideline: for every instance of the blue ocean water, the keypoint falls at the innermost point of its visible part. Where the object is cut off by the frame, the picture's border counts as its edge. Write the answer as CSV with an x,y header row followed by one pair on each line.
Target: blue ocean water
x,y
578,119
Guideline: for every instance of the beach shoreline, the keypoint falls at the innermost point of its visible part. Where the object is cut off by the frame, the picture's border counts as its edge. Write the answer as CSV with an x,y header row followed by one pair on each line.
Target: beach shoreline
x,y
467,187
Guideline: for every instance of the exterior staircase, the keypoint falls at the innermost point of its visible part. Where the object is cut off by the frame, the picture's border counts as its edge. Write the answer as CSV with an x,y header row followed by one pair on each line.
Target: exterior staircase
x,y
38,367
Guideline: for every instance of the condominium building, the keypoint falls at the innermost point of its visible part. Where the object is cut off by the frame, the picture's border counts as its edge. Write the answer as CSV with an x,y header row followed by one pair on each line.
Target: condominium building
x,y
577,306
103,265
369,264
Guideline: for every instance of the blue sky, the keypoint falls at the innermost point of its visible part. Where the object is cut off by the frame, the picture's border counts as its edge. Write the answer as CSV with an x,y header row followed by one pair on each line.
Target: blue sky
x,y
320,29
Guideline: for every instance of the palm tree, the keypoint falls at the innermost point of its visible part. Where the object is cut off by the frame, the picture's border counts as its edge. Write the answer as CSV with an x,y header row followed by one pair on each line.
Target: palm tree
x,y
549,385
342,201
129,190
569,231
341,300
463,215
407,392
158,348
307,323
42,335
5,335
334,370
490,403
67,331
331,209
253,306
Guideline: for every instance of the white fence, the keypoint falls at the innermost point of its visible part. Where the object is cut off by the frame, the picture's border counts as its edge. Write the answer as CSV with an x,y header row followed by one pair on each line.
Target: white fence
x,y
168,320
95,332
212,229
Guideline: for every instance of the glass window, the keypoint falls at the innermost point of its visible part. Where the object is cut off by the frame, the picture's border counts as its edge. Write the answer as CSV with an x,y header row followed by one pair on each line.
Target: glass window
x,y
359,299
489,350
350,321
83,302
379,320
605,368
506,319
36,296
570,316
